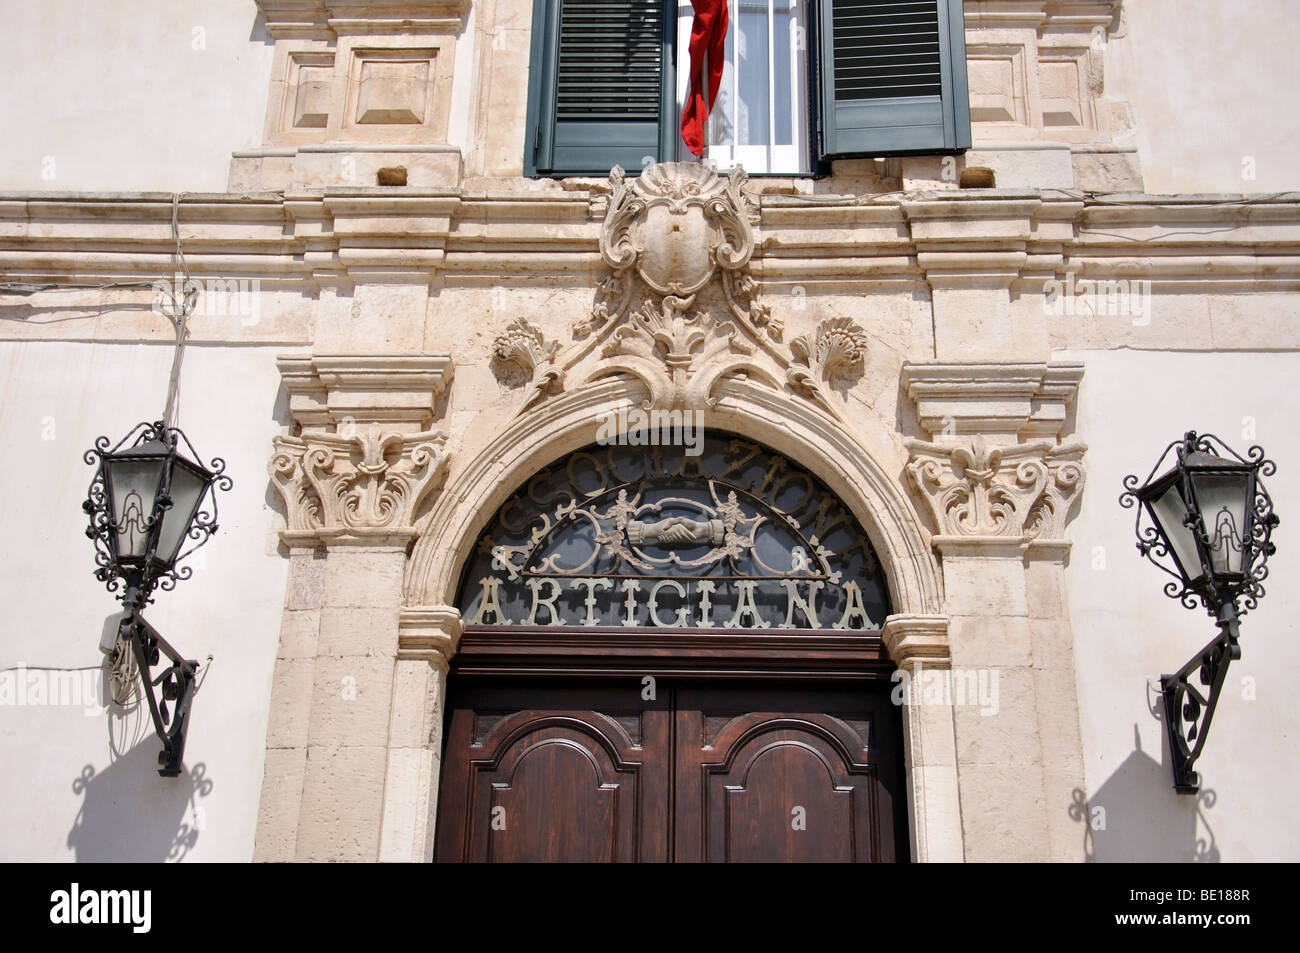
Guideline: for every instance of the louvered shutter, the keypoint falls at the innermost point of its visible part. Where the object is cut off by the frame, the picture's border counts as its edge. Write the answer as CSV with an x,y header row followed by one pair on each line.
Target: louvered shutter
x,y
600,85
893,77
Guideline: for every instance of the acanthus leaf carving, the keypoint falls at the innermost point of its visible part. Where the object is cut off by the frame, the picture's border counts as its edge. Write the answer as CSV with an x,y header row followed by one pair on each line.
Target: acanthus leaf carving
x,y
981,490
833,353
1046,519
366,483
526,347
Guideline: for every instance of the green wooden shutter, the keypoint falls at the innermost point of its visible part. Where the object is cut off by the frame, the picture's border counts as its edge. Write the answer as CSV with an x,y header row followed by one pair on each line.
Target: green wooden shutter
x,y
893,77
600,81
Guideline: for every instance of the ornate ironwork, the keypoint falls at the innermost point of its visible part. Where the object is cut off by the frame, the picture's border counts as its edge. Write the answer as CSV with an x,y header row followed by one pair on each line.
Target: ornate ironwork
x,y
1188,710
1154,547
175,683
736,536
170,714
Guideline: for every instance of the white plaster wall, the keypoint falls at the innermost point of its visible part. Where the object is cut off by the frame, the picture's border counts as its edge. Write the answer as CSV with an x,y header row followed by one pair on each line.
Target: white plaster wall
x,y
1127,633
78,786
1212,83
116,96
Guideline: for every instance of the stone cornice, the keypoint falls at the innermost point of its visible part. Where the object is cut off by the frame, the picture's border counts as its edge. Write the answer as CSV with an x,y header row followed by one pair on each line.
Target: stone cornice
x,y
1058,15
329,391
1217,243
1012,399
328,18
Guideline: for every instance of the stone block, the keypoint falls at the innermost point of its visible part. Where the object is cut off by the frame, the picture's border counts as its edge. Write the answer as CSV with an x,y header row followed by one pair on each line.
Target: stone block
x,y
342,804
351,701
278,809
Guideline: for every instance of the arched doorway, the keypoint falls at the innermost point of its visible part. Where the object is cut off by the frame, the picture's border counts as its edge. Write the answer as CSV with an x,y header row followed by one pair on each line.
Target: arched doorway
x,y
672,655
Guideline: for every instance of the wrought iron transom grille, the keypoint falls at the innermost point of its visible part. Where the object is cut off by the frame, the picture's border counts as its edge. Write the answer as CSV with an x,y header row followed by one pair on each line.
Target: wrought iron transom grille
x,y
735,536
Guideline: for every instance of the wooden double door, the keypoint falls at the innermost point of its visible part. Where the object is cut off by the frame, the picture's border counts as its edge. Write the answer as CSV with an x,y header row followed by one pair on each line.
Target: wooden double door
x,y
625,769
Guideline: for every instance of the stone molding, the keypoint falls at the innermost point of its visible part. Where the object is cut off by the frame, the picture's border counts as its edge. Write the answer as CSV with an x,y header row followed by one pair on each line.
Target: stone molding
x,y
364,460
327,18
307,241
430,633
568,422
1006,401
331,391
917,638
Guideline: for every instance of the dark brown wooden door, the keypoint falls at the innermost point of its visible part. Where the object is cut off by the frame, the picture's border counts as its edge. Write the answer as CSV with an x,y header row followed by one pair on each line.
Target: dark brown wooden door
x,y
589,770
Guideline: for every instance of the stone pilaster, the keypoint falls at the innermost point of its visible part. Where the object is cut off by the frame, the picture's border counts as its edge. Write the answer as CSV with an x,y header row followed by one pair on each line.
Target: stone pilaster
x,y
428,639
917,644
353,481
998,485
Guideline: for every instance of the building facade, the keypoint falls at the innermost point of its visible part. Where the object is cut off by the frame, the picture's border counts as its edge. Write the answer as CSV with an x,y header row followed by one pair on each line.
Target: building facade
x,y
464,603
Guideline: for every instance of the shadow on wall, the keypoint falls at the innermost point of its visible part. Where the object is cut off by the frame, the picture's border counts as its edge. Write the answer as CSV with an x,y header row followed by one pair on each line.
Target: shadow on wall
x,y
1136,816
128,813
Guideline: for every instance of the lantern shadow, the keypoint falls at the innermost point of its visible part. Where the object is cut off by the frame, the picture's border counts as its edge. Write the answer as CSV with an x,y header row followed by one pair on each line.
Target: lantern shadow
x,y
130,815
1136,816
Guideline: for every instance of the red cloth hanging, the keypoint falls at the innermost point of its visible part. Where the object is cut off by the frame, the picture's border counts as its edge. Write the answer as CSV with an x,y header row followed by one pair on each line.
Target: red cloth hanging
x,y
708,32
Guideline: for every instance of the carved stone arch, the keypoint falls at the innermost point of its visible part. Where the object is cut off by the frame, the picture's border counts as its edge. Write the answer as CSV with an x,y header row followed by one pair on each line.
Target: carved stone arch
x,y
915,635
790,427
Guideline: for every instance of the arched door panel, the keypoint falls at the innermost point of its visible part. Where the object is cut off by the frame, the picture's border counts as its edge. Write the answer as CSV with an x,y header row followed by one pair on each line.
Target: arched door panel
x,y
582,779
766,773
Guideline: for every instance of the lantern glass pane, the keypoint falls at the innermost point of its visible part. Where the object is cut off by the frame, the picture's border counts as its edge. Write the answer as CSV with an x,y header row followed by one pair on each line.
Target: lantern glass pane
x,y
1169,511
134,485
1222,498
187,490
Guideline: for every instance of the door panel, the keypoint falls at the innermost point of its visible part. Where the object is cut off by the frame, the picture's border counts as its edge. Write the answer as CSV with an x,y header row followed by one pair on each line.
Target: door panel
x,y
772,774
588,771
584,778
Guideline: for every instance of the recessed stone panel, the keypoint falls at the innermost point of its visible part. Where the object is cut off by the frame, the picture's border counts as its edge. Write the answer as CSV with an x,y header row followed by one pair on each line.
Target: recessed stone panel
x,y
997,84
1058,82
392,90
312,97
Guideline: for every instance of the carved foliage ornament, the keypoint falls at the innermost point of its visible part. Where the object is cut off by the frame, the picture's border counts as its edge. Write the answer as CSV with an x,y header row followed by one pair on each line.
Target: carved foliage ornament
x,y
1019,491
362,482
666,235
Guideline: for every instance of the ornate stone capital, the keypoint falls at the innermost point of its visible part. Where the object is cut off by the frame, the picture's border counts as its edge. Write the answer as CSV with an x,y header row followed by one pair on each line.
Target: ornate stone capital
x,y
995,476
974,489
363,461
997,498
365,485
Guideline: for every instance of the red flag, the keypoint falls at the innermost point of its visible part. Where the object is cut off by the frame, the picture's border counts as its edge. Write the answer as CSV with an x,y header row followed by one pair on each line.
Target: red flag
x,y
708,33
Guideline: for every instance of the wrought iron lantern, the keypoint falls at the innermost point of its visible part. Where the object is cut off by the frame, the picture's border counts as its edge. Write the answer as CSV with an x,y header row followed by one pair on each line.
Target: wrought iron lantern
x,y
1208,523
147,501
